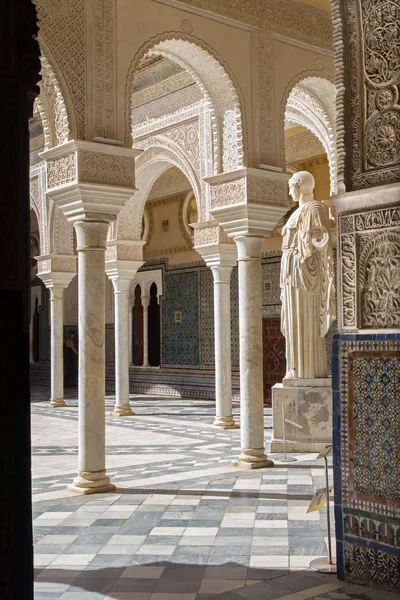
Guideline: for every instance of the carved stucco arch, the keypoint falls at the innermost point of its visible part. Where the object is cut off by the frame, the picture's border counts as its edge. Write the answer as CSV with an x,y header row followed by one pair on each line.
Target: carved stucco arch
x,y
150,165
303,105
218,85
54,102
61,232
33,206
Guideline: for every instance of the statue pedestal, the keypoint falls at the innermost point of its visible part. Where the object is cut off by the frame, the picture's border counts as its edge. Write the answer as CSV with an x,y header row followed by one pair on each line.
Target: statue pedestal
x,y
308,415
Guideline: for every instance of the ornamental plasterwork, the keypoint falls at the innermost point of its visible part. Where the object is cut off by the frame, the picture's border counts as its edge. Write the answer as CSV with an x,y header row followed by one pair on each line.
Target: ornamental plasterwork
x,y
171,182
213,78
169,119
106,169
61,233
62,170
92,167
379,281
214,234
303,145
124,252
62,29
270,191
310,104
176,100
228,192
372,98
104,40
249,189
166,87
52,109
368,265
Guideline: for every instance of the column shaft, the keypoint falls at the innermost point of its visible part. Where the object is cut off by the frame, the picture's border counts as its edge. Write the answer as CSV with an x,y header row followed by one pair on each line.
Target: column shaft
x,y
121,303
145,304
91,238
252,454
57,346
222,341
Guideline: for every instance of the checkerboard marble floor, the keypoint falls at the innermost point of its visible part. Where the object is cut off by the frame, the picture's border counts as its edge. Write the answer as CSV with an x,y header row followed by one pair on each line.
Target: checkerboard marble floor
x,y
184,524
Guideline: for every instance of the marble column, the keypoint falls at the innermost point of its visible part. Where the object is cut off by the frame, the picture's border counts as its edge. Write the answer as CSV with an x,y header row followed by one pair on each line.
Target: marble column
x,y
145,304
252,455
121,274
248,203
56,282
57,346
101,180
221,257
91,245
222,342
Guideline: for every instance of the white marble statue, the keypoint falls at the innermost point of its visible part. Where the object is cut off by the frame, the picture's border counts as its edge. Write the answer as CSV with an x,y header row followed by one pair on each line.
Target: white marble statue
x,y
307,282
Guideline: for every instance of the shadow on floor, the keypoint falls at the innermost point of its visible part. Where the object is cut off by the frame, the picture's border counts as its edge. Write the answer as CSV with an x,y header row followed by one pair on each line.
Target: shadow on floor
x,y
229,581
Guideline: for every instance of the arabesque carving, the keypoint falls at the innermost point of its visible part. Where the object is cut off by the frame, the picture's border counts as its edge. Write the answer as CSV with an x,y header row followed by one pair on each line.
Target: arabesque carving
x,y
379,280
106,169
373,155
62,28
215,81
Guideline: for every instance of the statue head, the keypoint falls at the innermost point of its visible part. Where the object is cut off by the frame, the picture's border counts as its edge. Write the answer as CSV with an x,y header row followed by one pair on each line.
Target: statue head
x,y
301,186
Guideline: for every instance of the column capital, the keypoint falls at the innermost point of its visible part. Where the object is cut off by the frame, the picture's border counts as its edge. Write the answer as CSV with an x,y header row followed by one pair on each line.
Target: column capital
x,y
249,201
90,180
57,270
218,255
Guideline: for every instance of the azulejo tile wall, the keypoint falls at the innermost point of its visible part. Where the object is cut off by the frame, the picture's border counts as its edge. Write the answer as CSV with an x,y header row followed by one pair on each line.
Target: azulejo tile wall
x,y
366,436
207,353
180,338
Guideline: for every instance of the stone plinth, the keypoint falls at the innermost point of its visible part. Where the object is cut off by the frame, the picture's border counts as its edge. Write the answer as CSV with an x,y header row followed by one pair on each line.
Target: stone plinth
x,y
308,415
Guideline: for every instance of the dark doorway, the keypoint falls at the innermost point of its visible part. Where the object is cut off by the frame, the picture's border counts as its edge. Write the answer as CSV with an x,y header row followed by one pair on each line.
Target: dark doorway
x,y
154,328
137,324
274,359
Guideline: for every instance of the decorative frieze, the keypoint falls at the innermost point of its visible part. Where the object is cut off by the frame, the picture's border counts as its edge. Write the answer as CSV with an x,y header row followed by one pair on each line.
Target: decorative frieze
x,y
369,258
371,30
248,186
125,251
209,233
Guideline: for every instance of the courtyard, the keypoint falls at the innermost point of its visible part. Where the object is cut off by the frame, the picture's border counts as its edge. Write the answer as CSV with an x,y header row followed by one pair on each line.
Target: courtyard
x,y
183,524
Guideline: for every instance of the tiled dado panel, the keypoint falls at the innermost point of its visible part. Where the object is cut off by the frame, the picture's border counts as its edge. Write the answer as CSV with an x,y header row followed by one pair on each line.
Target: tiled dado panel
x,y
180,318
207,348
366,437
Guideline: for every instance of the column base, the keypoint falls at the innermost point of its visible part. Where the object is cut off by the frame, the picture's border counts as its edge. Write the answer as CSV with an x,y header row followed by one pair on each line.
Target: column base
x,y
122,410
88,482
225,423
253,459
57,402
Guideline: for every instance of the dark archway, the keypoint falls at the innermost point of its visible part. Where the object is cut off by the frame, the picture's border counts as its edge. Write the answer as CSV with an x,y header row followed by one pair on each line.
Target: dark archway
x,y
154,328
137,326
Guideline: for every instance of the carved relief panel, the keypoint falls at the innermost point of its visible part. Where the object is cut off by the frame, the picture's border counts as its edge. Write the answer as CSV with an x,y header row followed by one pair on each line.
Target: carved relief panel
x,y
369,269
371,42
